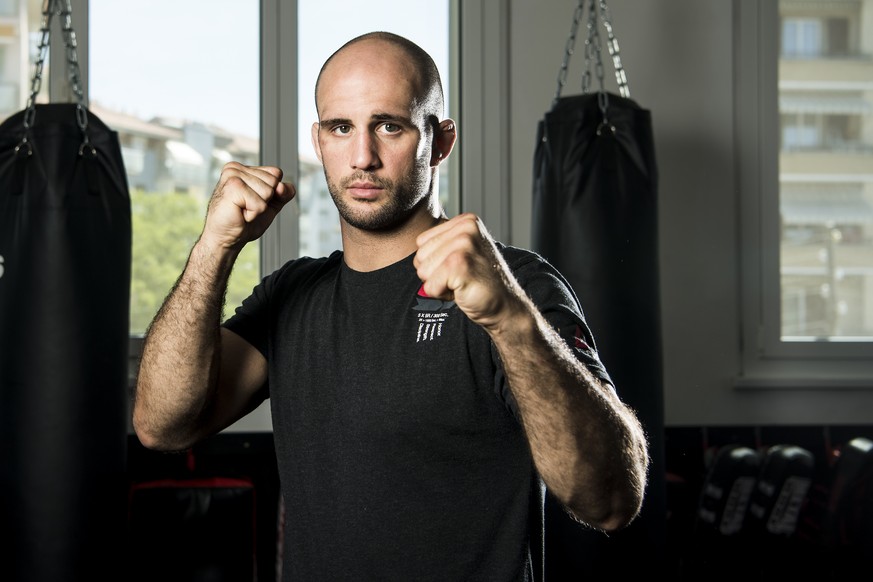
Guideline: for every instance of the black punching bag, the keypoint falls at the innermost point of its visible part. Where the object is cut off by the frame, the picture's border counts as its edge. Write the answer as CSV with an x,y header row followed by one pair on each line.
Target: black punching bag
x,y
595,219
65,253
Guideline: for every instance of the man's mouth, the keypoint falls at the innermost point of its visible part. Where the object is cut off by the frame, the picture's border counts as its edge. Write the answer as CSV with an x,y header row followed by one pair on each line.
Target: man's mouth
x,y
366,190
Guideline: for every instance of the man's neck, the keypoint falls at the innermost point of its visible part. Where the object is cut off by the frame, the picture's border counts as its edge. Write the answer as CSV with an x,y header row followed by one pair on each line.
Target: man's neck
x,y
368,251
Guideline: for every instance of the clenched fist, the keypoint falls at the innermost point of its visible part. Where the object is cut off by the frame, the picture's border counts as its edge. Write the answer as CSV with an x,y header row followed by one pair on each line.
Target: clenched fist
x,y
458,260
244,203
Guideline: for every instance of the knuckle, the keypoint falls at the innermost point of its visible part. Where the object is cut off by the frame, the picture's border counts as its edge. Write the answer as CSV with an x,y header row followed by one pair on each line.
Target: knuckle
x,y
234,181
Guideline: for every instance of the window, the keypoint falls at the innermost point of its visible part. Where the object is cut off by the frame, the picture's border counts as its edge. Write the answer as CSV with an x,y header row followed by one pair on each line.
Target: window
x,y
801,37
805,123
20,22
153,76
826,171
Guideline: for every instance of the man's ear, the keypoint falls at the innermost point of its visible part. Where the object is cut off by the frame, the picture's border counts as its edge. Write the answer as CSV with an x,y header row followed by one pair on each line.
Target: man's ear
x,y
444,138
315,144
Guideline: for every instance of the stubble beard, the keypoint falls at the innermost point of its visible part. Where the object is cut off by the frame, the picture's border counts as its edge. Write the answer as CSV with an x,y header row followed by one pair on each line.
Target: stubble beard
x,y
399,203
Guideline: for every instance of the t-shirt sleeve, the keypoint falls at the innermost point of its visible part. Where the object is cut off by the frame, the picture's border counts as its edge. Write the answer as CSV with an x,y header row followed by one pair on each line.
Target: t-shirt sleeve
x,y
255,319
251,320
557,301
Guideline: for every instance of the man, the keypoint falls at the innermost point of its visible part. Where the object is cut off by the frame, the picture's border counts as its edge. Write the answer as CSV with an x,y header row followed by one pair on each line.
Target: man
x,y
424,383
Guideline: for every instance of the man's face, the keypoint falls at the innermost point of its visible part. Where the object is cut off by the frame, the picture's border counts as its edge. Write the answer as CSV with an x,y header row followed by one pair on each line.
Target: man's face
x,y
373,138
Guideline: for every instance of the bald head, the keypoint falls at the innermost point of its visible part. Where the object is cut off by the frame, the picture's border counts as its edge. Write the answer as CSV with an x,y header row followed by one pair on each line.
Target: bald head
x,y
426,77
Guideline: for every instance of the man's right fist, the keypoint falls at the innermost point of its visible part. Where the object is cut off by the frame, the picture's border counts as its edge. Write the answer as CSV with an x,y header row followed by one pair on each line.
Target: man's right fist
x,y
244,203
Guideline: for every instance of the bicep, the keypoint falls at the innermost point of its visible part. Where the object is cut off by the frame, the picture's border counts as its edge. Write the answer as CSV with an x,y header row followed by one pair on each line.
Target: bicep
x,y
241,376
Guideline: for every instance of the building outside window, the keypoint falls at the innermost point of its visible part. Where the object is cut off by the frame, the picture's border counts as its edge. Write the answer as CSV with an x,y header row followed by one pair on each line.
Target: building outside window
x,y
826,170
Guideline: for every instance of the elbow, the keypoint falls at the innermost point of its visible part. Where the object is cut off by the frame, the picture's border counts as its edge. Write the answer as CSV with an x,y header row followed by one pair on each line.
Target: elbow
x,y
620,515
155,438
614,513
144,430
615,523
610,503
158,442
149,438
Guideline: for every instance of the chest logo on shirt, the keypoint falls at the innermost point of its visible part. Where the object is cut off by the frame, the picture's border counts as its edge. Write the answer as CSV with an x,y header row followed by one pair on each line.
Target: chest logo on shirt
x,y
432,314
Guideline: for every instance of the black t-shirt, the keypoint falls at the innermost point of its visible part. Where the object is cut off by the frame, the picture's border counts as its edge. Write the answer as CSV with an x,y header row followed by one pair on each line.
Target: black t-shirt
x,y
399,449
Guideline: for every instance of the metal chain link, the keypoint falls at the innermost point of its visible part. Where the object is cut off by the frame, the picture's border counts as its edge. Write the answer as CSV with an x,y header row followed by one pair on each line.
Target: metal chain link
x,y
614,52
597,12
593,48
36,81
74,74
569,49
50,7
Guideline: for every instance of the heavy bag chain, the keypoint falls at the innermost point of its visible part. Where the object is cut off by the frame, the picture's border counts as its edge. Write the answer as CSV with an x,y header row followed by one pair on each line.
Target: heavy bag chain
x,y
64,11
593,51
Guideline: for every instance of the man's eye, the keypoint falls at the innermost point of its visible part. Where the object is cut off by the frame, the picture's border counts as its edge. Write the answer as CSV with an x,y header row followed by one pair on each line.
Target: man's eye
x,y
390,127
342,129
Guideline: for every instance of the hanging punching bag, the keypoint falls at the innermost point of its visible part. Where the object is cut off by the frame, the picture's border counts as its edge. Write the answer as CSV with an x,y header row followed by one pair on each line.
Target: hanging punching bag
x,y
595,218
65,251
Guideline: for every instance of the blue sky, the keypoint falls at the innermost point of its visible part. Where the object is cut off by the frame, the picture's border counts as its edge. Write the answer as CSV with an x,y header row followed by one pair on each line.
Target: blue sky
x,y
199,59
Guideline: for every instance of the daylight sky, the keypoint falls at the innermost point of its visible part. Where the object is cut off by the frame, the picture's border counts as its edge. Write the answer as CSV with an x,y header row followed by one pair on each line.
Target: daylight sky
x,y
199,59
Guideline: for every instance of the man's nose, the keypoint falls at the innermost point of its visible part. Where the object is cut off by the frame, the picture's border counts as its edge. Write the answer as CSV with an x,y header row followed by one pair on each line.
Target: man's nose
x,y
365,152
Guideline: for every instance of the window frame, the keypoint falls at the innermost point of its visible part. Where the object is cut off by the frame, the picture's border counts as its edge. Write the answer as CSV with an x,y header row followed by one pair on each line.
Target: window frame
x,y
766,360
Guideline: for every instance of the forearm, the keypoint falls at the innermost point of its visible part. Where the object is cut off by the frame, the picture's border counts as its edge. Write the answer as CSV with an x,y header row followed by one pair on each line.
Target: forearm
x,y
587,445
179,365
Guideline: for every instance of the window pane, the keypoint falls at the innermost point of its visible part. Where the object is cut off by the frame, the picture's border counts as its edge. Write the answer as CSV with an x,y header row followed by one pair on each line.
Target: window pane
x,y
20,23
180,82
324,26
826,170
801,37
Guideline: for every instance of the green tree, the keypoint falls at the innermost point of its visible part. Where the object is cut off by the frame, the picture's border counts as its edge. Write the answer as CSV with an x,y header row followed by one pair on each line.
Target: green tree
x,y
165,226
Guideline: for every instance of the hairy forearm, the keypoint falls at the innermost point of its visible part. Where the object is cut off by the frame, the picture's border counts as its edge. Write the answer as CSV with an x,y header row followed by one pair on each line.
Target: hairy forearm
x,y
178,368
587,445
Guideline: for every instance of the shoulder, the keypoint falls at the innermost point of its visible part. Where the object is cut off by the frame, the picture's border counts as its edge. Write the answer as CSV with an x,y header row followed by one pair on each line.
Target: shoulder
x,y
527,264
303,268
295,277
539,278
292,277
518,257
